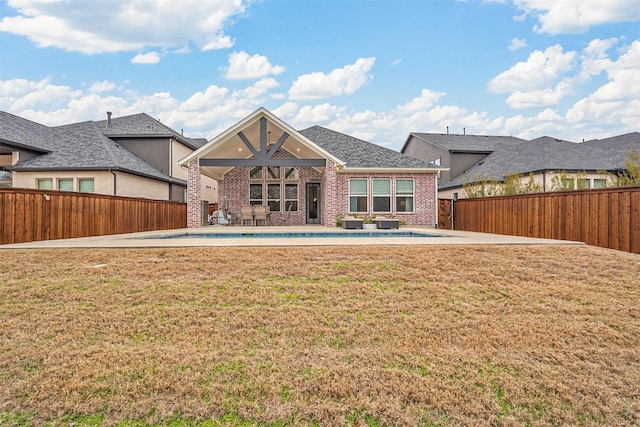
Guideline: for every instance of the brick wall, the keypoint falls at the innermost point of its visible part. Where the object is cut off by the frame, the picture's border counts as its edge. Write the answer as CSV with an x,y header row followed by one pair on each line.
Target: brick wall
x,y
425,197
194,197
234,193
235,187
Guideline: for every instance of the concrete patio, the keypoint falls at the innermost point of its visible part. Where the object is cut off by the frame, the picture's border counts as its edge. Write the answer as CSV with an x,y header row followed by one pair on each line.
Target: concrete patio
x,y
158,239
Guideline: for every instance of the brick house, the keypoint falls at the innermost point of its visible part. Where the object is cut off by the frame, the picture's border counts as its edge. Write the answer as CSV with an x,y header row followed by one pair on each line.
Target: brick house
x,y
316,174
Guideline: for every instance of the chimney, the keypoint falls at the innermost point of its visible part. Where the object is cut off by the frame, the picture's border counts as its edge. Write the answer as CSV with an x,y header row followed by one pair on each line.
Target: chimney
x,y
108,118
447,130
464,131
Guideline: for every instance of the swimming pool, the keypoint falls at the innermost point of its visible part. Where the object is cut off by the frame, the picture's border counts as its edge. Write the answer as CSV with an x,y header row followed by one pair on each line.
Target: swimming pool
x,y
293,234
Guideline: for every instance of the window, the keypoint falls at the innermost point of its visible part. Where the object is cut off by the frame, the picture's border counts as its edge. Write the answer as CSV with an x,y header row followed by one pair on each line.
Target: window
x,y
290,173
583,183
566,183
358,193
65,184
85,185
273,197
45,183
273,173
291,197
255,193
381,195
599,183
404,195
271,188
255,173
436,162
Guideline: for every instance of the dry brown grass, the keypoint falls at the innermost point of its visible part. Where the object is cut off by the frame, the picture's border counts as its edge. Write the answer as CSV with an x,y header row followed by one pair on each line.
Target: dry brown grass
x,y
321,336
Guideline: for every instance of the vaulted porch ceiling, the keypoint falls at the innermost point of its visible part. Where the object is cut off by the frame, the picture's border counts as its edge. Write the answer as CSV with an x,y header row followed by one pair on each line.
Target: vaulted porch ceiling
x,y
253,142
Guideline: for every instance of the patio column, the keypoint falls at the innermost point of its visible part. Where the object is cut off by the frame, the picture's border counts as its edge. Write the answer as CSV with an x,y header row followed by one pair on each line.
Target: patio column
x,y
194,196
330,195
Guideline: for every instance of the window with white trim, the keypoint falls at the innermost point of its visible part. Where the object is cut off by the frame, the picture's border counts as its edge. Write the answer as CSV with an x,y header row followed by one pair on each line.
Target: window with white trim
x,y
381,189
65,184
291,197
599,183
273,197
255,194
404,195
280,183
358,194
44,183
85,185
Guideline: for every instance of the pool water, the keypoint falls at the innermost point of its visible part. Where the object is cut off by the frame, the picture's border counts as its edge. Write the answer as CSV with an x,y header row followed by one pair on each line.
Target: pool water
x,y
296,234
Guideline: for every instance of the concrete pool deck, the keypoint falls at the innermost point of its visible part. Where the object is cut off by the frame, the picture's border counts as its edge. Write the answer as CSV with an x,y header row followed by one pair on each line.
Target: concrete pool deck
x,y
154,239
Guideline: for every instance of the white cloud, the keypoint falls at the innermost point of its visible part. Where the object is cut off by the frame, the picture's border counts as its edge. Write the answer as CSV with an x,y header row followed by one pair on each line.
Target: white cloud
x,y
573,16
426,100
104,86
242,66
539,71
517,44
396,62
146,58
345,80
110,26
609,109
539,98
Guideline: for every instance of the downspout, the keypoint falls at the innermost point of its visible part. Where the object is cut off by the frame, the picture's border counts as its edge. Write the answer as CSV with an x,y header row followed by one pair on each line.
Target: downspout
x,y
170,166
115,181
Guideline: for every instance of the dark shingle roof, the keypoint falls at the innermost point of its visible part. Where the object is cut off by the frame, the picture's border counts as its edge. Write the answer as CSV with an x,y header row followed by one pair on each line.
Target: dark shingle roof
x,y
140,125
357,153
24,133
81,146
614,150
466,143
546,153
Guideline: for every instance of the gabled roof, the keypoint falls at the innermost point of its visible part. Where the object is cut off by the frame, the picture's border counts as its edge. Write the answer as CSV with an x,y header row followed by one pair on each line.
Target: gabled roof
x,y
81,146
463,143
347,152
359,154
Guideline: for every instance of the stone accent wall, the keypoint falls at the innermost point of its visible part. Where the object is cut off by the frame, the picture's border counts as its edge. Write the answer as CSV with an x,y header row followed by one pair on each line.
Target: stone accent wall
x,y
425,197
194,198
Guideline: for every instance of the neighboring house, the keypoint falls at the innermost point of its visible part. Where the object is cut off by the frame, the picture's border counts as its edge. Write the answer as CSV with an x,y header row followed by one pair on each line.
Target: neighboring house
x,y
126,156
317,174
550,162
455,152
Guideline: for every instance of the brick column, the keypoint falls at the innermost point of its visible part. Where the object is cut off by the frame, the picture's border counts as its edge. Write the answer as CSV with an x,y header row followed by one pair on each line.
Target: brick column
x,y
329,195
194,196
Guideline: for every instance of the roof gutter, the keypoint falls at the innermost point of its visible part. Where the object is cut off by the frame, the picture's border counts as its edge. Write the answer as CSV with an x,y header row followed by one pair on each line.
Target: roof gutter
x,y
392,170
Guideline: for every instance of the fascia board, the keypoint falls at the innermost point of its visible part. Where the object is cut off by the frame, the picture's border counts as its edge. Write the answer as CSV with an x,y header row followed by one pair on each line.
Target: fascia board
x,y
249,120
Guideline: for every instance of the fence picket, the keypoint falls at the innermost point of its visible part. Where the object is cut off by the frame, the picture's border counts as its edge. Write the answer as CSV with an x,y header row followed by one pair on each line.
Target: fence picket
x,y
30,215
607,217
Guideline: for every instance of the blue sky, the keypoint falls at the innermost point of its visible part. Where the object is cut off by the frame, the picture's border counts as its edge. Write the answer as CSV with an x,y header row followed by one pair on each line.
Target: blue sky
x,y
374,69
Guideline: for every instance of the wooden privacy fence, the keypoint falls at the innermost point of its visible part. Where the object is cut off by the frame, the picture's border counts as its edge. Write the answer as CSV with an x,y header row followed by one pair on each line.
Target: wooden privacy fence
x,y
608,218
31,215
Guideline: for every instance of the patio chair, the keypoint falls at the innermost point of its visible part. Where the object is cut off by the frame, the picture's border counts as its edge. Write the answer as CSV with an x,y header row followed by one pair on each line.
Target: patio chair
x,y
282,219
246,215
260,212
